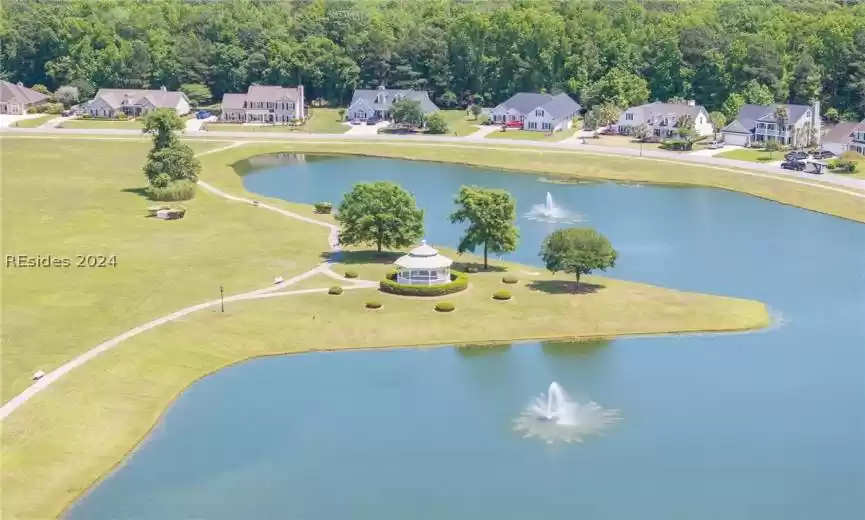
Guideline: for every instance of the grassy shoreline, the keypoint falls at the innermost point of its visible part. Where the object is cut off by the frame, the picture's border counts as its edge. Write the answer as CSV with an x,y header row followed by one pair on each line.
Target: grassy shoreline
x,y
78,430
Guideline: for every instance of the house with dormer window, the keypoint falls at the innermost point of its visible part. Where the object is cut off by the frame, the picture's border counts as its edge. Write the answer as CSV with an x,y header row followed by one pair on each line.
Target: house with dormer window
x,y
759,124
110,102
663,119
265,104
845,137
376,104
537,112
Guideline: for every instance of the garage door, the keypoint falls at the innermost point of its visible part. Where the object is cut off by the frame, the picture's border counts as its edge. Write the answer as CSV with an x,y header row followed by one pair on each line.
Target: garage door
x,y
736,139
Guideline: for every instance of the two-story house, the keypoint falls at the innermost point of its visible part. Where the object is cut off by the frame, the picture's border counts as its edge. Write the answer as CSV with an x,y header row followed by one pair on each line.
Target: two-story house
x,y
664,119
376,104
845,137
759,124
537,112
15,98
110,102
264,104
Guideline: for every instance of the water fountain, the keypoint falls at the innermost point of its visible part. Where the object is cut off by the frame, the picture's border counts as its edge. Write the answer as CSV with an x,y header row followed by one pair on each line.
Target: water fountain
x,y
557,417
550,212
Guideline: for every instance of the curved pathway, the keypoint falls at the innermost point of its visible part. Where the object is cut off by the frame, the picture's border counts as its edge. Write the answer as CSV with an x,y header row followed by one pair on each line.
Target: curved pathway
x,y
272,291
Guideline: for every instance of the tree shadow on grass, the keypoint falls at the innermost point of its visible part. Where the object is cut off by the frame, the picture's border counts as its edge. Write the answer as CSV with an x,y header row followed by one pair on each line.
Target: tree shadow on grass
x,y
361,257
564,287
141,192
477,267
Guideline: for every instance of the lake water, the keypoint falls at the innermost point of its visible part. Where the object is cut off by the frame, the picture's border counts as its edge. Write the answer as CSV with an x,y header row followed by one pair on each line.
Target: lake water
x,y
768,425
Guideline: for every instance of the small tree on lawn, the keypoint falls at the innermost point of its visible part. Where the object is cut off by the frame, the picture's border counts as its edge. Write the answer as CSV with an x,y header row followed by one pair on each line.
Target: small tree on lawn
x,y
379,213
491,215
772,147
161,124
408,112
177,162
476,111
435,124
642,132
197,93
341,113
577,251
718,120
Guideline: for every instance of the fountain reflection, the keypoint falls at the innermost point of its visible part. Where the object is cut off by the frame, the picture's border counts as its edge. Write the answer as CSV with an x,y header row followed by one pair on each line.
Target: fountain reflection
x,y
556,417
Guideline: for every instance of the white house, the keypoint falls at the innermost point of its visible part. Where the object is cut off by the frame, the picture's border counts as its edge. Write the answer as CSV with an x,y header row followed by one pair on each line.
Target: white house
x,y
845,137
109,102
16,98
760,124
369,104
663,119
265,104
537,112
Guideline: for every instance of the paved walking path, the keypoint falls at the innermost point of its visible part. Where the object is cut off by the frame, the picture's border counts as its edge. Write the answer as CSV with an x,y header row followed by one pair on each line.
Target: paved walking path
x,y
272,291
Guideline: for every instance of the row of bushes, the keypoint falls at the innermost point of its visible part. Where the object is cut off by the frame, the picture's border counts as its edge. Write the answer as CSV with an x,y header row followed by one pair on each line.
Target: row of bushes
x,y
173,191
118,117
459,282
843,165
46,108
323,207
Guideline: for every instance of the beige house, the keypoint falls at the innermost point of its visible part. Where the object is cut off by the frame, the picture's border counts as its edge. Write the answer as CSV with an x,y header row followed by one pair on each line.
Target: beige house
x,y
264,104
16,98
110,102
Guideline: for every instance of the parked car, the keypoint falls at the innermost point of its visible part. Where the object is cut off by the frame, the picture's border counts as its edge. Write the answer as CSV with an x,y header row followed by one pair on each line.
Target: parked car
x,y
823,154
356,122
514,124
793,165
66,113
717,145
372,121
203,114
797,155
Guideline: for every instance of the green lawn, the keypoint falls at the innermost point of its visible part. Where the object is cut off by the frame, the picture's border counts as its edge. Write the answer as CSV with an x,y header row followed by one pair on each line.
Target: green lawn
x,y
460,124
621,141
135,124
532,136
35,121
321,121
752,155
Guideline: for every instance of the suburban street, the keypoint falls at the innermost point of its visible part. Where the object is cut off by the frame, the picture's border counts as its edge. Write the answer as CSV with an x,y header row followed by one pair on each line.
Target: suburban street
x,y
473,140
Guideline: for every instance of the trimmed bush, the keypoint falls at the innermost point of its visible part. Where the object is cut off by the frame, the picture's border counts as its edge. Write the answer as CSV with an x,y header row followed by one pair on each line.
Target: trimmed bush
x,y
351,274
510,279
373,304
323,207
335,290
501,295
445,307
177,190
459,282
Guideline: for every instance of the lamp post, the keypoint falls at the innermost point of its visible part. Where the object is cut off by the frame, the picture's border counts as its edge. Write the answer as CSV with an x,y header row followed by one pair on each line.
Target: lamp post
x,y
221,300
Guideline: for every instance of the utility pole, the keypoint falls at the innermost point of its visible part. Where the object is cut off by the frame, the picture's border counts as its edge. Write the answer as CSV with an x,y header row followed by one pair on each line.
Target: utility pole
x,y
221,300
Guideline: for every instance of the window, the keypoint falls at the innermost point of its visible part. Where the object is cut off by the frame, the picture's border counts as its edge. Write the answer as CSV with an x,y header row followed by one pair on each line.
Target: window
x,y
657,132
539,112
629,116
545,126
533,126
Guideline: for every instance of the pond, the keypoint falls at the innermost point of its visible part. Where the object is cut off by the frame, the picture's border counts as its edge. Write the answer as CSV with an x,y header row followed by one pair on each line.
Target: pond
x,y
767,425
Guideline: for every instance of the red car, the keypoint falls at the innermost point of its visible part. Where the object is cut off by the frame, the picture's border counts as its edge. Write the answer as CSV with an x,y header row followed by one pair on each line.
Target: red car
x,y
514,124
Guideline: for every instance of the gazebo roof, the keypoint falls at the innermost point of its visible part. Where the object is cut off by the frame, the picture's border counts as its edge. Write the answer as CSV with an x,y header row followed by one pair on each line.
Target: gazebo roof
x,y
423,257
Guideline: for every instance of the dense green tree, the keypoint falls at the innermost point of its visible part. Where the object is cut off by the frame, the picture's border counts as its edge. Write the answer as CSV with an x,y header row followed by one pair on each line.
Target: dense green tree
x,y
757,93
718,120
162,124
435,124
197,93
733,105
407,111
491,215
577,251
379,213
67,94
174,163
617,87
476,111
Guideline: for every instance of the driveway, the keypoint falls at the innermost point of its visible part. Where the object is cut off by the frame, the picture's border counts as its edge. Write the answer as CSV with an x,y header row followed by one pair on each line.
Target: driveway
x,y
194,124
483,131
708,152
6,120
365,129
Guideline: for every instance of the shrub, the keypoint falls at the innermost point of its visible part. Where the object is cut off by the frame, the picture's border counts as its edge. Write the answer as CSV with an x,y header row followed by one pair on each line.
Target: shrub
x,y
445,307
323,207
459,282
501,295
54,108
121,117
510,279
373,304
351,274
335,290
177,190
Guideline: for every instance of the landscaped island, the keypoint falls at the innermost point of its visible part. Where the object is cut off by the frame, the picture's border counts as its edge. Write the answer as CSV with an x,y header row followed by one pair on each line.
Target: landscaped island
x,y
72,433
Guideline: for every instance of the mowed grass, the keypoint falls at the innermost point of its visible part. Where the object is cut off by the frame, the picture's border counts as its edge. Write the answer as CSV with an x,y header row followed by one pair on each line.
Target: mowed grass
x,y
58,445
460,124
321,121
33,122
565,165
621,141
532,136
80,197
752,155
135,124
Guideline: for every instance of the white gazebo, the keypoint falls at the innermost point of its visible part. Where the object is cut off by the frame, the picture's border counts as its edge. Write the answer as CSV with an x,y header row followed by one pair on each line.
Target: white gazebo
x,y
423,266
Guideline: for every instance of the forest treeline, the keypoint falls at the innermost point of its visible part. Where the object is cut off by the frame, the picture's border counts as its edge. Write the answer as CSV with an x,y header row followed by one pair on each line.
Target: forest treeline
x,y
619,51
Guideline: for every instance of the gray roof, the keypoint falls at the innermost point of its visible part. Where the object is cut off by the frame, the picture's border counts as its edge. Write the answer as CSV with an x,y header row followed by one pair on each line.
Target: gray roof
x,y
19,94
117,97
233,101
561,106
370,96
658,108
842,132
735,128
271,93
524,102
749,115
